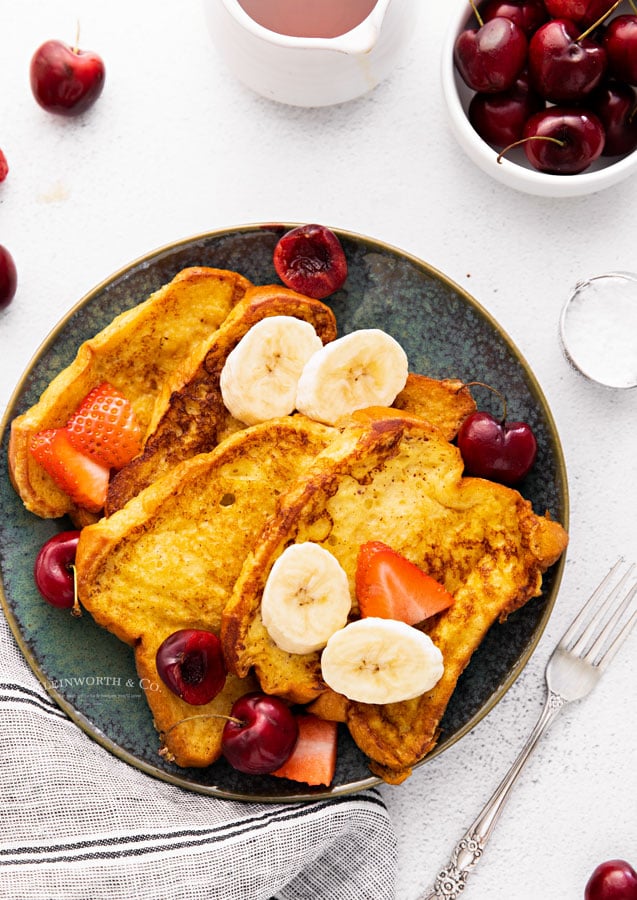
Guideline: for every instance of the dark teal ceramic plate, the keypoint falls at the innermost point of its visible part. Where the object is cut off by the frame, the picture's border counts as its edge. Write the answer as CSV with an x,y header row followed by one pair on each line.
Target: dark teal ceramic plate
x,y
445,333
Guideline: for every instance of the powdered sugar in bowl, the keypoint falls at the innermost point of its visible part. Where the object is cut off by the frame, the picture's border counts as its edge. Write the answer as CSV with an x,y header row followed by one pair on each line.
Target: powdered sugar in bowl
x,y
598,328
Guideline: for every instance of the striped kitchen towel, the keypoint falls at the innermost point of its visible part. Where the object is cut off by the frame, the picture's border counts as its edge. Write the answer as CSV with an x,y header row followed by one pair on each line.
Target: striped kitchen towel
x,y
77,823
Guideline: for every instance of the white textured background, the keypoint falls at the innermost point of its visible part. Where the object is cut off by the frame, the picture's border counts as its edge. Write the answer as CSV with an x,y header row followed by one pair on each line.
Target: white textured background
x,y
175,147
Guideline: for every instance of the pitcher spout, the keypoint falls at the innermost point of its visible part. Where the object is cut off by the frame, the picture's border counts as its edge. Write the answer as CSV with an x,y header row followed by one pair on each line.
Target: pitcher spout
x,y
362,39
359,41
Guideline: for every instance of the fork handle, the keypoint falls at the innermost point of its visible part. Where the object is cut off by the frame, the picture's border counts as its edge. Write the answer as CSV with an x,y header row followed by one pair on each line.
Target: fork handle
x,y
450,881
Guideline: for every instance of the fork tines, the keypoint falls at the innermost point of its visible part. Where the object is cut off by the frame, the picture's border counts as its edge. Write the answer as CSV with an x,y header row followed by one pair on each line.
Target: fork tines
x,y
597,634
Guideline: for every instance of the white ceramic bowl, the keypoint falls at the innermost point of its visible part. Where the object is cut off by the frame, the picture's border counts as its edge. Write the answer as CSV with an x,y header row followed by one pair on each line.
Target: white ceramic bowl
x,y
514,170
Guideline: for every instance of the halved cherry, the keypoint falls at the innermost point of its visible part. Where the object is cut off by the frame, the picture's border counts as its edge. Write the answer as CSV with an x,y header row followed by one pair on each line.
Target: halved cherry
x,y
190,662
310,259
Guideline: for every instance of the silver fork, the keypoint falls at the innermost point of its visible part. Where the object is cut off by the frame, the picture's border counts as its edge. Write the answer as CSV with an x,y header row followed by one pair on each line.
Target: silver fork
x,y
576,664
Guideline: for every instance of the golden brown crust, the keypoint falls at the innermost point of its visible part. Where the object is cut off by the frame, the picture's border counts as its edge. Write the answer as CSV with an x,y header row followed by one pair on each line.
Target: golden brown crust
x,y
480,539
331,706
135,353
501,580
445,403
170,558
193,418
188,735
301,515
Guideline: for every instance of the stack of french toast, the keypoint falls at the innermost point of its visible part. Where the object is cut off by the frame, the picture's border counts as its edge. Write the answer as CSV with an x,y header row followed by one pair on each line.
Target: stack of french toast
x,y
193,524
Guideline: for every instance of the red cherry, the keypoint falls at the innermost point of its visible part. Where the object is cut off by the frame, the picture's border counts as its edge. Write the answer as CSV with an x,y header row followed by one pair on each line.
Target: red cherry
x,y
4,166
190,662
616,106
563,66
614,879
527,14
66,80
8,277
261,735
499,118
620,43
491,57
310,259
563,140
584,12
503,452
52,569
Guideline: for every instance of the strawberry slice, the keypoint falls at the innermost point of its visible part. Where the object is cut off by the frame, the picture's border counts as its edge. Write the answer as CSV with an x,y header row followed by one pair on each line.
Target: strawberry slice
x,y
40,446
83,479
313,760
389,586
105,428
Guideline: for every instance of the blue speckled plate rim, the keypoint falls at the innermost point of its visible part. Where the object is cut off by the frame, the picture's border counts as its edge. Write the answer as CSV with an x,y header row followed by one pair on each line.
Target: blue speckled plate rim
x,y
97,734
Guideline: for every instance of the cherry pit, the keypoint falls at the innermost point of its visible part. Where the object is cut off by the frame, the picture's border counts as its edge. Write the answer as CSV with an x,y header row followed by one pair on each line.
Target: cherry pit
x,y
554,77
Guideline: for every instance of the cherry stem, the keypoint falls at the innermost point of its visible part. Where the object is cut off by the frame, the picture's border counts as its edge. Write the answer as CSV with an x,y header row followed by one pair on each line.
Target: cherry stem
x,y
599,21
633,6
469,384
202,716
531,137
476,13
76,48
77,609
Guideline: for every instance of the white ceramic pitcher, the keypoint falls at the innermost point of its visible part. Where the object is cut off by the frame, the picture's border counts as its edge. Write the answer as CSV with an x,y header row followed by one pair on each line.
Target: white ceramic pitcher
x,y
311,71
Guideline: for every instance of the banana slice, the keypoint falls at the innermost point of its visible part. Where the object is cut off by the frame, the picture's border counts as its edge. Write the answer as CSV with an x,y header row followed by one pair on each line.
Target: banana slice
x,y
364,368
381,661
259,378
306,598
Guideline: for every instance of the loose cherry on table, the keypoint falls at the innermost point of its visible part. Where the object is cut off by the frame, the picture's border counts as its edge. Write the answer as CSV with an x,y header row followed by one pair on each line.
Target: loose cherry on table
x,y
4,166
8,277
565,65
614,879
490,58
53,570
260,734
310,259
64,79
561,140
620,43
499,118
190,663
496,449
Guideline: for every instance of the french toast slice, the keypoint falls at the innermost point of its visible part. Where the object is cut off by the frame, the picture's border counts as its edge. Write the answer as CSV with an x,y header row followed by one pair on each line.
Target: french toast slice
x,y
445,403
136,353
190,416
169,560
193,419
396,480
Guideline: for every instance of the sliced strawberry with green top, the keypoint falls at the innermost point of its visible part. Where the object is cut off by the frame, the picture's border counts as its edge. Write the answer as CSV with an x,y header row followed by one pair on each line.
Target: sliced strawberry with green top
x,y
105,428
313,760
83,479
389,586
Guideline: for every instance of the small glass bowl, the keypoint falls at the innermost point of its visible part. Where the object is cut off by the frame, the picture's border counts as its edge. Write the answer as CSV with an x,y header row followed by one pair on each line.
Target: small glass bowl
x,y
598,329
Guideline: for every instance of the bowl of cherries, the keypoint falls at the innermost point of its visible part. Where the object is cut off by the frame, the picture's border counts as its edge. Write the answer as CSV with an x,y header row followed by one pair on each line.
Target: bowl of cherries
x,y
542,94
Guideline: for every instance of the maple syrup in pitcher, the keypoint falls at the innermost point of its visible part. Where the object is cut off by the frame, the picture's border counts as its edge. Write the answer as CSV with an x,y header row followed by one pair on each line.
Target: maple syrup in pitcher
x,y
308,18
